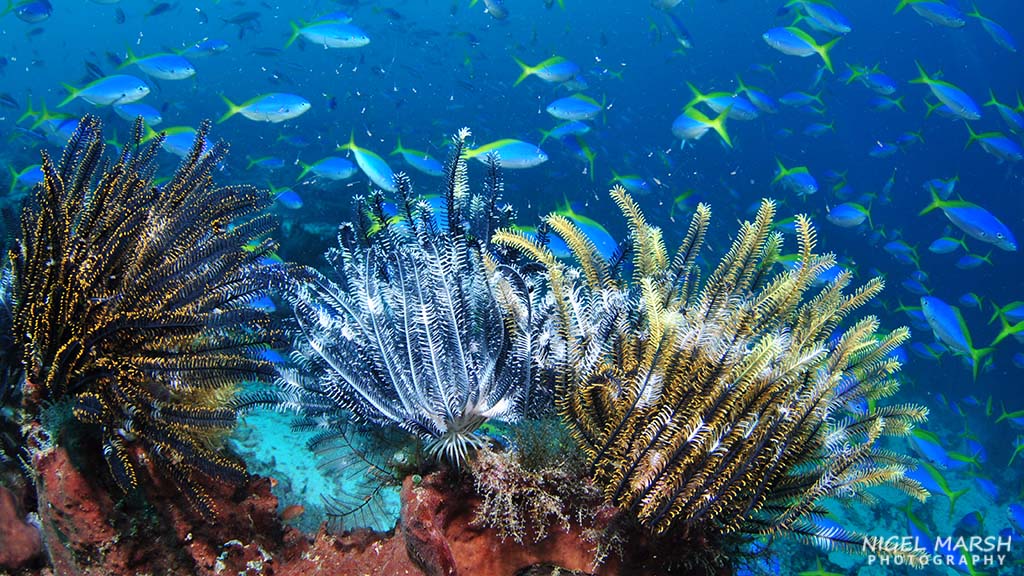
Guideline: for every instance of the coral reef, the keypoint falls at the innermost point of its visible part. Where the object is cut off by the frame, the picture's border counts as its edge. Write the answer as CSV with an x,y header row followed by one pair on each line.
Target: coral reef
x,y
132,304
732,405
691,413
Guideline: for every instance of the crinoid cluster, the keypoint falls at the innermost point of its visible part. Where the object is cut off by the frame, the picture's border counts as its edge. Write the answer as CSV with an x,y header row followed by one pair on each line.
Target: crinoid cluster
x,y
10,374
416,326
132,303
735,403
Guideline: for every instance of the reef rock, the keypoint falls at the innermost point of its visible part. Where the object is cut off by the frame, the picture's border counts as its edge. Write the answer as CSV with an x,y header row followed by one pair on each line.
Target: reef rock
x,y
22,543
441,537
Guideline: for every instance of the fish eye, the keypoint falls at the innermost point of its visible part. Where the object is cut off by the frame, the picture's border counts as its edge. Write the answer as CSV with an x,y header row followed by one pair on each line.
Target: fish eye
x,y
999,235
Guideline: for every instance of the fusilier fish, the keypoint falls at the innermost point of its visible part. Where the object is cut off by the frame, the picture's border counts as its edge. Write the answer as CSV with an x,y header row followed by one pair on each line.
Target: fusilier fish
x,y
273,107
511,153
115,89
975,221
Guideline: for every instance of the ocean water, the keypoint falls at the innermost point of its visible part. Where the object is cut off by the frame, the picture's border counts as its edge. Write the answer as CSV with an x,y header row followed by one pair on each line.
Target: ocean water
x,y
434,66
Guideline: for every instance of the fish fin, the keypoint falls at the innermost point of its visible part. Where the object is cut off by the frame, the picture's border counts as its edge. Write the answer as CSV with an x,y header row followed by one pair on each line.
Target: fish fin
x,y
72,94
232,109
823,51
973,136
698,97
977,355
351,144
398,147
546,134
14,180
923,78
527,71
296,31
1005,329
718,125
997,312
782,172
305,170
992,98
936,203
129,59
30,112
903,4
953,496
854,73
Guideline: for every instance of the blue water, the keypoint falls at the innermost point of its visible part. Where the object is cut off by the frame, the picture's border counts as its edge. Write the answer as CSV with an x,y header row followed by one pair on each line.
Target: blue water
x,y
434,66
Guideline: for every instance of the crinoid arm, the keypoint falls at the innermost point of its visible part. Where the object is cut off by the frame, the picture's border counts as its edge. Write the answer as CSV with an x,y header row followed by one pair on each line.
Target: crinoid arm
x,y
726,404
133,303
416,326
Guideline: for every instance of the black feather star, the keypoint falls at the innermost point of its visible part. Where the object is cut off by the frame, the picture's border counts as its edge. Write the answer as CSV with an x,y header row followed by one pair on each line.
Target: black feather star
x,y
133,303
11,443
419,327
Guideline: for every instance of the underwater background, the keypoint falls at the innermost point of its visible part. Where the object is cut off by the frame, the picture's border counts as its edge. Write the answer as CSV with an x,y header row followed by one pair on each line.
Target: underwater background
x,y
878,147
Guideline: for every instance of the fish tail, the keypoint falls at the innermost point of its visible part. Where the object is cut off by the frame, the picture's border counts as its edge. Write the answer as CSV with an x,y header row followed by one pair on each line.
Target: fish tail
x,y
232,109
1005,329
854,73
398,147
992,98
29,112
953,496
997,312
936,203
823,52
527,71
742,87
1013,456
72,94
305,170
697,96
972,138
978,355
295,34
903,4
590,160
923,76
899,104
1004,415
781,173
14,180
718,125
545,135
1020,104
975,13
